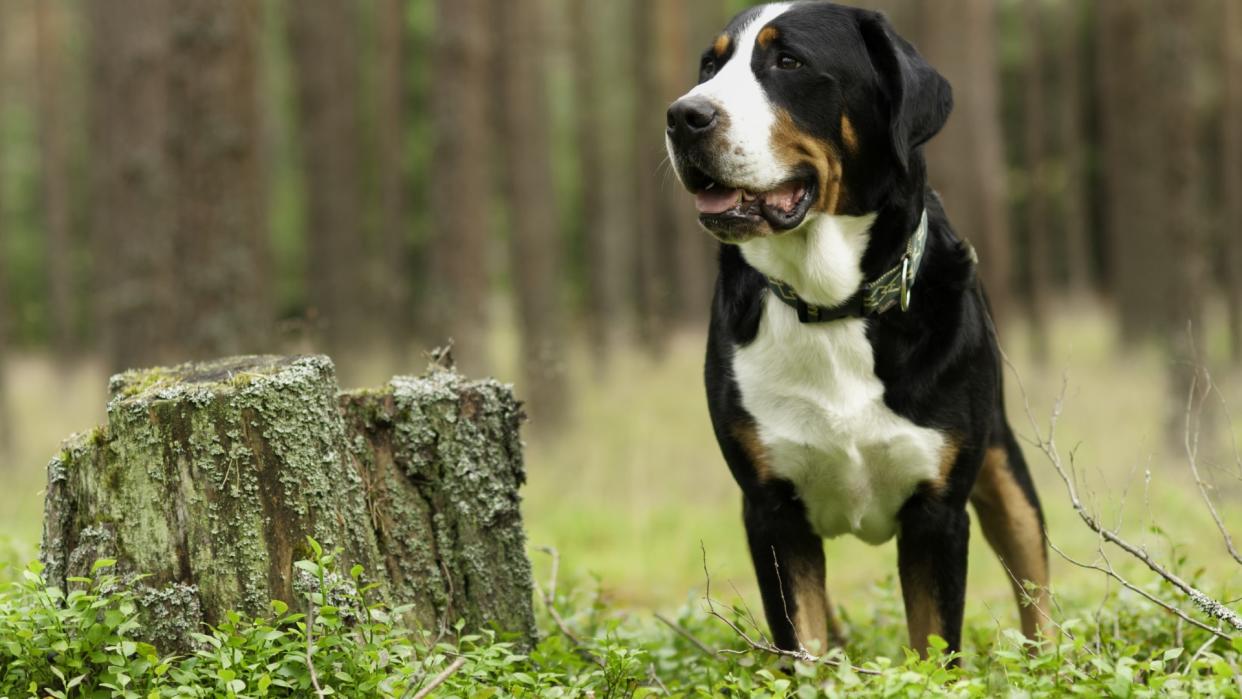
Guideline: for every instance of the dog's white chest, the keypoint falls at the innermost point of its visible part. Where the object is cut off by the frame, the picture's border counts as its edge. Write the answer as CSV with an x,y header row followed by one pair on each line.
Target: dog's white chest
x,y
822,419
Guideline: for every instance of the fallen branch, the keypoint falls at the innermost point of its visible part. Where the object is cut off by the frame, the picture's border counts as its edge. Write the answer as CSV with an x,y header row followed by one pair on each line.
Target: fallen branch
x,y
681,631
1205,603
440,678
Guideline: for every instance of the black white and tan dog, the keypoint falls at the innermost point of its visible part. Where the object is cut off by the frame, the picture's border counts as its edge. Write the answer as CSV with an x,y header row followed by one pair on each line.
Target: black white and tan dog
x,y
852,371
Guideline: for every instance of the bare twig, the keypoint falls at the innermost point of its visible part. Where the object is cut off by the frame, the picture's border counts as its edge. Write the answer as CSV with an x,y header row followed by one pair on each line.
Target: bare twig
x,y
1191,443
765,646
681,631
310,641
1206,604
440,678
549,596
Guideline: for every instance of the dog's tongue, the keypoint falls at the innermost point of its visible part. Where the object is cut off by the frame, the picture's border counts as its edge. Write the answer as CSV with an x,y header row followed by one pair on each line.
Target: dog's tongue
x,y
784,197
717,200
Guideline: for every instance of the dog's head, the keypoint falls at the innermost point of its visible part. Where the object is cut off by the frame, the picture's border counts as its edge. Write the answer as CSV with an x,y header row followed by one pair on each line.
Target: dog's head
x,y
802,109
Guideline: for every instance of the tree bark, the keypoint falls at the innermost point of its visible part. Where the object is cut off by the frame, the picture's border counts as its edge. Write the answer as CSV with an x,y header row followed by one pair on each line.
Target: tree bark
x,y
1072,145
1038,201
458,295
5,308
1138,250
392,264
323,36
130,228
1231,177
218,189
209,477
535,241
50,49
966,160
649,236
601,209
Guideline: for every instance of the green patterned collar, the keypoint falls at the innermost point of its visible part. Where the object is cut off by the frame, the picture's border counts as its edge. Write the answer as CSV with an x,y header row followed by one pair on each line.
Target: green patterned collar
x,y
893,288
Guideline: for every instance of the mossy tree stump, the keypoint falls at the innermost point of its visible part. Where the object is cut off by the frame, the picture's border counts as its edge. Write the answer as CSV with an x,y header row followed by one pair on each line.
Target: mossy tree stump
x,y
209,477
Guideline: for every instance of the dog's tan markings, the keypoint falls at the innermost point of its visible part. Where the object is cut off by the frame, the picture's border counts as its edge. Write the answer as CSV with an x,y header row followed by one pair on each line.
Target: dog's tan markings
x,y
922,610
721,47
848,135
948,458
814,622
796,148
766,36
747,434
1011,525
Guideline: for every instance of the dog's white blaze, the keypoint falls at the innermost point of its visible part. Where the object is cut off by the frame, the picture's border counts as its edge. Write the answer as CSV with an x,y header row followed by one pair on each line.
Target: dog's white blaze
x,y
736,92
813,391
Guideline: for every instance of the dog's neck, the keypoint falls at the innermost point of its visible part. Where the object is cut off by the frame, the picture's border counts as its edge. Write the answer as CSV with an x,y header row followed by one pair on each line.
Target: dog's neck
x,y
821,260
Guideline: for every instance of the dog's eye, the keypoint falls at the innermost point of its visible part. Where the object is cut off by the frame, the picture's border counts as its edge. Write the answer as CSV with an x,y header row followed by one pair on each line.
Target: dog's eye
x,y
787,62
708,69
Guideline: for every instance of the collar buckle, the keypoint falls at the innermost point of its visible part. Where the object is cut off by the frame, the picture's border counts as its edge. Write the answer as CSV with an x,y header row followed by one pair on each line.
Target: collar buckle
x,y
907,282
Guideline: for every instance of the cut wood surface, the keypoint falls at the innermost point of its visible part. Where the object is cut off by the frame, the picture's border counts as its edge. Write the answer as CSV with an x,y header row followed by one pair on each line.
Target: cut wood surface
x,y
209,478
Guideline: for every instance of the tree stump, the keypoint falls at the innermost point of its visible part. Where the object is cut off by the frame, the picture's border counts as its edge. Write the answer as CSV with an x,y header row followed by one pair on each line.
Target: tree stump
x,y
209,477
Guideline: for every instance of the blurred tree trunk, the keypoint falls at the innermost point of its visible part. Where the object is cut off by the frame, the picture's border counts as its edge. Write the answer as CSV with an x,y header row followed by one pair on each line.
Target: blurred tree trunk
x,y
535,242
460,196
393,262
323,36
1034,147
218,194
692,269
129,222
966,161
649,236
1072,144
1138,250
601,209
1231,177
5,309
1183,223
50,51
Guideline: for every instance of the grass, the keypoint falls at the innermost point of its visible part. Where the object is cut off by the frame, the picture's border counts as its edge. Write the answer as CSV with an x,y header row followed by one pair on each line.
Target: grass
x,y
631,488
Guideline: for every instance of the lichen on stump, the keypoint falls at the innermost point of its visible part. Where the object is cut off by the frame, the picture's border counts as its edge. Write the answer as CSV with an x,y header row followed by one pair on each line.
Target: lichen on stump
x,y
209,477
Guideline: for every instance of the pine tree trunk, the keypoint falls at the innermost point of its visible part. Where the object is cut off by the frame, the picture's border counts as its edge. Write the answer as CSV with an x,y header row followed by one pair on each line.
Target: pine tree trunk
x,y
129,226
966,160
209,477
50,49
535,244
1038,201
5,296
1138,250
460,201
214,163
648,235
1072,145
599,212
323,36
392,263
1231,177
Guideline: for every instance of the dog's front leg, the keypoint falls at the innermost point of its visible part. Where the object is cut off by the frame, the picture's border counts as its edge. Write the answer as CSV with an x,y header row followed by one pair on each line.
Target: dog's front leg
x,y
789,563
931,557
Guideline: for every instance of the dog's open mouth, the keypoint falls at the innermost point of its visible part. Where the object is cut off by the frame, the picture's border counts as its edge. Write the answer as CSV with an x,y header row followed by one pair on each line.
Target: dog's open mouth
x,y
784,207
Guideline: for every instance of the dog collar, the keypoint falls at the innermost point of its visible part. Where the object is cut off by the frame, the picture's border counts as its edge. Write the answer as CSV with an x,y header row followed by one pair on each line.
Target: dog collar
x,y
893,288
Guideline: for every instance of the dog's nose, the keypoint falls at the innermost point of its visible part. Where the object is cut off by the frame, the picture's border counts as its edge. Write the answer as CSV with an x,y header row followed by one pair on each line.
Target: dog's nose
x,y
691,117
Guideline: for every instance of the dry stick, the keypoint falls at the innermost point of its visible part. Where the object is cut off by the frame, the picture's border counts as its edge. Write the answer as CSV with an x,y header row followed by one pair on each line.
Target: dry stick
x,y
681,631
766,647
1191,443
440,678
549,603
1048,446
310,663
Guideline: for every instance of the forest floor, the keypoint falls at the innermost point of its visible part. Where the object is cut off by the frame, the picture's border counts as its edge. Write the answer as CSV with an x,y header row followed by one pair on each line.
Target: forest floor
x,y
632,491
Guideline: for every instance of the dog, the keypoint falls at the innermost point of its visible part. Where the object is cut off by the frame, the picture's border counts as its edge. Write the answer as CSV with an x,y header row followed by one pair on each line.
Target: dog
x,y
853,374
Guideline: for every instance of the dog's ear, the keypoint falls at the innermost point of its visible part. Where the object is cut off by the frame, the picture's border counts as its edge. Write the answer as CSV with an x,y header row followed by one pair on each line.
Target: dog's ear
x,y
919,98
